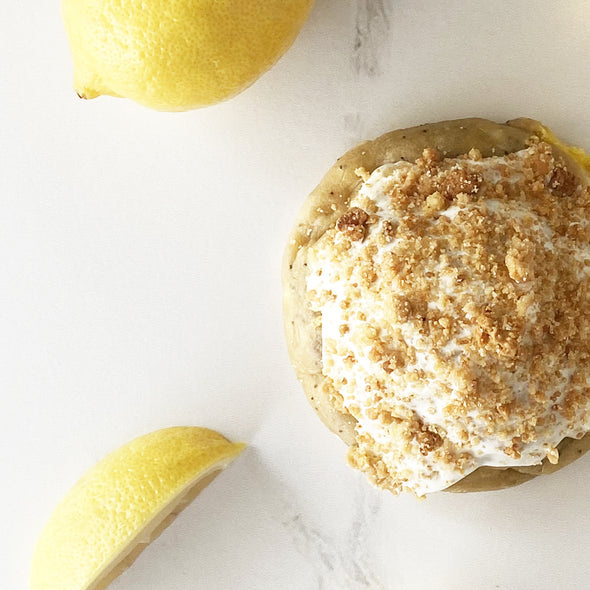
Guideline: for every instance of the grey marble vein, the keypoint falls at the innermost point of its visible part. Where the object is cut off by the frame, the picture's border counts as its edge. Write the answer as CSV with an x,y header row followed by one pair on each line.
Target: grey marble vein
x,y
371,28
342,563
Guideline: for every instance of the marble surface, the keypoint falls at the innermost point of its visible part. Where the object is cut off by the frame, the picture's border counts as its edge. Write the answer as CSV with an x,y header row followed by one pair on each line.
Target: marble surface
x,y
140,289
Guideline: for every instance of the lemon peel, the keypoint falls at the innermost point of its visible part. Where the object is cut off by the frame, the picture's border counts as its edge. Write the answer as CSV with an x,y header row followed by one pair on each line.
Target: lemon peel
x,y
576,153
181,54
125,501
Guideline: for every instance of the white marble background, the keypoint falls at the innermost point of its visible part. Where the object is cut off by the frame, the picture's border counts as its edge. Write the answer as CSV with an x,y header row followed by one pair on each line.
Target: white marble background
x,y
140,257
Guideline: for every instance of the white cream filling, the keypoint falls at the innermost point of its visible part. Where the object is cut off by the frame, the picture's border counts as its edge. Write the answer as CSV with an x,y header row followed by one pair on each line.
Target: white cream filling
x,y
428,396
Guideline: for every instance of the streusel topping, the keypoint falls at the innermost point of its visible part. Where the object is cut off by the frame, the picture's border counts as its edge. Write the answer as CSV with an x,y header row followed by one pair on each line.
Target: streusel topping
x,y
454,301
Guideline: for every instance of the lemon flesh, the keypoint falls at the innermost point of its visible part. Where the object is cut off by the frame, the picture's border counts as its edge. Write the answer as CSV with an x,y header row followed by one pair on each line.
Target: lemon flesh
x,y
177,54
106,520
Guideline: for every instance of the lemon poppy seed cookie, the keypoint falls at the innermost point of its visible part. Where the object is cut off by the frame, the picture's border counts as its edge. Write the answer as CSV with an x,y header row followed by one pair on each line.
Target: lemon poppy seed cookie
x,y
437,304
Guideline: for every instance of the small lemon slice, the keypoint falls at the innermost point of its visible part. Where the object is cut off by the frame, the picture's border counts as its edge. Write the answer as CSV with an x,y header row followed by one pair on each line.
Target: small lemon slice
x,y
123,503
577,154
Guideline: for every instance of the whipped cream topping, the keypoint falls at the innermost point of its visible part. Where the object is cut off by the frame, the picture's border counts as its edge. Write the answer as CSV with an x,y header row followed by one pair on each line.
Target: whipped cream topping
x,y
453,298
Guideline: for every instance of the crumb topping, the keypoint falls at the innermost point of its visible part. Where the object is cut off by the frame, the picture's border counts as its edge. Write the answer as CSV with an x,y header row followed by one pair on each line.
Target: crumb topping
x,y
454,301
353,223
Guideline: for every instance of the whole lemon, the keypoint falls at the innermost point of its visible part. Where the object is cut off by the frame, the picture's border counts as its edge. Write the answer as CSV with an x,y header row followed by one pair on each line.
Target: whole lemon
x,y
177,55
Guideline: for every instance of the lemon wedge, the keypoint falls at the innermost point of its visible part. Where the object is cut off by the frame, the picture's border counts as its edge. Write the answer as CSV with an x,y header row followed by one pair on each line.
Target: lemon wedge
x,y
124,502
177,55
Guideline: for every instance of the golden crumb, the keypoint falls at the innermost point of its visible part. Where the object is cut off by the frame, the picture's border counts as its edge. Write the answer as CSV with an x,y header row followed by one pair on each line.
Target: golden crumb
x,y
353,223
553,456
363,173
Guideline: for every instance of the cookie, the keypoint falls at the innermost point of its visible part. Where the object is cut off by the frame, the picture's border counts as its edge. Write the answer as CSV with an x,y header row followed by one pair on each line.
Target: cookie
x,y
437,304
